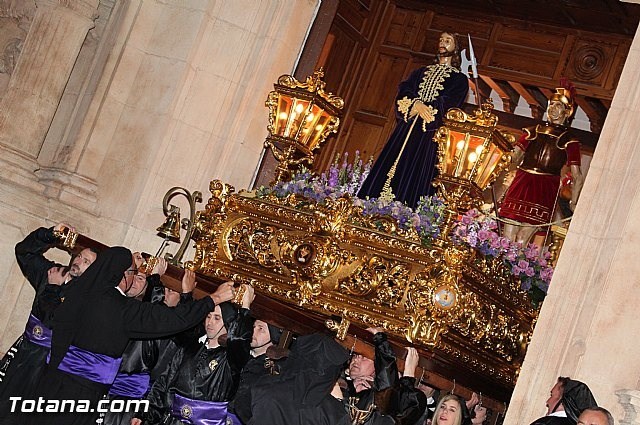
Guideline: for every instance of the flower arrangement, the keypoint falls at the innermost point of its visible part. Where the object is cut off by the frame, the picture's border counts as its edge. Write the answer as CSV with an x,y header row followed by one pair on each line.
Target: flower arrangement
x,y
474,229
345,179
527,263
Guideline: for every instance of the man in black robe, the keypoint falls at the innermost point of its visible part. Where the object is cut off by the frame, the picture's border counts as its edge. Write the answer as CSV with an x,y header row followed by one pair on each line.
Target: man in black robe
x,y
91,330
203,378
24,362
306,391
567,401
140,361
376,395
264,336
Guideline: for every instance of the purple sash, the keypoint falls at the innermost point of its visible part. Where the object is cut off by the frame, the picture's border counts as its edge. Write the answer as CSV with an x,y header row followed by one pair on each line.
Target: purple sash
x,y
198,412
135,385
37,333
98,368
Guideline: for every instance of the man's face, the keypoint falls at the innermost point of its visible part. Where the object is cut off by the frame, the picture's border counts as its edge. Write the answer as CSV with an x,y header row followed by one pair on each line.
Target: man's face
x,y
81,262
447,43
214,324
556,396
171,297
556,112
361,366
261,334
592,417
138,285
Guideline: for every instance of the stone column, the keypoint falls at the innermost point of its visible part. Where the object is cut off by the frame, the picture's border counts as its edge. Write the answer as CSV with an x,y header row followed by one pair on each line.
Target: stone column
x,y
588,327
49,53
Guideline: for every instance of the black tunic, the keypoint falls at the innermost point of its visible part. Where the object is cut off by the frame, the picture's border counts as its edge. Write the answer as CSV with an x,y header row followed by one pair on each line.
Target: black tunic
x,y
24,362
553,420
201,373
148,356
256,368
96,317
301,394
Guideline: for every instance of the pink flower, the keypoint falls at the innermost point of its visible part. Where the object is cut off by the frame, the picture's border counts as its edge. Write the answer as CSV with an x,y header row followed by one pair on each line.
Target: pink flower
x,y
531,252
546,274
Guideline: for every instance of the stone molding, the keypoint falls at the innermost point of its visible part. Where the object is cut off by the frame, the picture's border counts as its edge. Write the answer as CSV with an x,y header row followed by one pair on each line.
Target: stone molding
x,y
630,401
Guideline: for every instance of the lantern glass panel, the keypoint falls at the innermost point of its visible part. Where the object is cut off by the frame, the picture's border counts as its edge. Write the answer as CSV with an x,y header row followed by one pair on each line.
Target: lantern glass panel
x,y
309,124
323,119
282,114
464,150
489,163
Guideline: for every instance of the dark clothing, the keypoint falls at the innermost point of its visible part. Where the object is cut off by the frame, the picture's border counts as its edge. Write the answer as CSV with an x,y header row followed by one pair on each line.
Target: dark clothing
x,y
385,386
24,362
143,361
396,400
553,420
201,373
256,368
301,394
97,318
409,402
439,86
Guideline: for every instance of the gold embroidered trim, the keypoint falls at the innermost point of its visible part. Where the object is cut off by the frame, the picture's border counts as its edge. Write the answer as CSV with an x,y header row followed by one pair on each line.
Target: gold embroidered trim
x,y
404,105
432,80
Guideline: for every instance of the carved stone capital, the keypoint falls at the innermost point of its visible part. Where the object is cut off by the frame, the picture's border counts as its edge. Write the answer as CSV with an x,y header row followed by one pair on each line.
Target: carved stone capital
x,y
630,401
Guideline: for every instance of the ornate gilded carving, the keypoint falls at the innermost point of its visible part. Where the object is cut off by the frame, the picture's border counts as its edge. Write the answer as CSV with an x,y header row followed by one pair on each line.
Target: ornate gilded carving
x,y
333,261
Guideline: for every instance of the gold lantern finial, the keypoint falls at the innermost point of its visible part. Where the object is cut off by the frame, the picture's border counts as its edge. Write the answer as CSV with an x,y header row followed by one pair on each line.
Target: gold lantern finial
x,y
301,116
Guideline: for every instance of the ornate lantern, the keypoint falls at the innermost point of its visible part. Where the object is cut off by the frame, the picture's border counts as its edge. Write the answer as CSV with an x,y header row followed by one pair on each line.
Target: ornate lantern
x,y
301,116
472,153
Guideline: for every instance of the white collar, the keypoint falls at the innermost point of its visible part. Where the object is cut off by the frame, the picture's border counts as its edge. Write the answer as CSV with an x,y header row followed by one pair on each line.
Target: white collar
x,y
559,413
120,290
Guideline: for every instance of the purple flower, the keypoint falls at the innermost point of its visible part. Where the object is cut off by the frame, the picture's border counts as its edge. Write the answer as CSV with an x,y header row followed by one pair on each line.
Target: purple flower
x,y
531,252
483,235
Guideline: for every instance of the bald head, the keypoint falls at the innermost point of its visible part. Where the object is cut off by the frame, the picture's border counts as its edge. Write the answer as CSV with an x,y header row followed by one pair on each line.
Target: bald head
x,y
595,416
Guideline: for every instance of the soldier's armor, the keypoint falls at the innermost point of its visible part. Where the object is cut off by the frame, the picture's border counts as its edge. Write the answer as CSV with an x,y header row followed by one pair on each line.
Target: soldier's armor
x,y
546,152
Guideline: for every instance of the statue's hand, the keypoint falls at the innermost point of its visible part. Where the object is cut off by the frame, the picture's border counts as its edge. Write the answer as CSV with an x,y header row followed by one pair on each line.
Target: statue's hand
x,y
425,112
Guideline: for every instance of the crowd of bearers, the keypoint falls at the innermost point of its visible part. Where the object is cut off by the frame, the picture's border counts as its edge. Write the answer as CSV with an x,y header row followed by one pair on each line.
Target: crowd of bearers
x,y
100,329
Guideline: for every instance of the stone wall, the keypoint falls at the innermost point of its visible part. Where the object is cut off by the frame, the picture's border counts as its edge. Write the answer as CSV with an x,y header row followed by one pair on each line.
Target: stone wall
x,y
112,103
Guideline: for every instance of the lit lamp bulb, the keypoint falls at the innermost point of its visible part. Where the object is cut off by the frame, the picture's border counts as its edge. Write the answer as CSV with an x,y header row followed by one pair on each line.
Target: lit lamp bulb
x,y
299,108
479,149
460,145
473,157
283,115
310,117
319,127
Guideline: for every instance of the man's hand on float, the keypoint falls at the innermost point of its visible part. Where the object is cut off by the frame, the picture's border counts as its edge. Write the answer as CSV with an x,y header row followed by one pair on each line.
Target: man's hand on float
x,y
189,281
223,293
